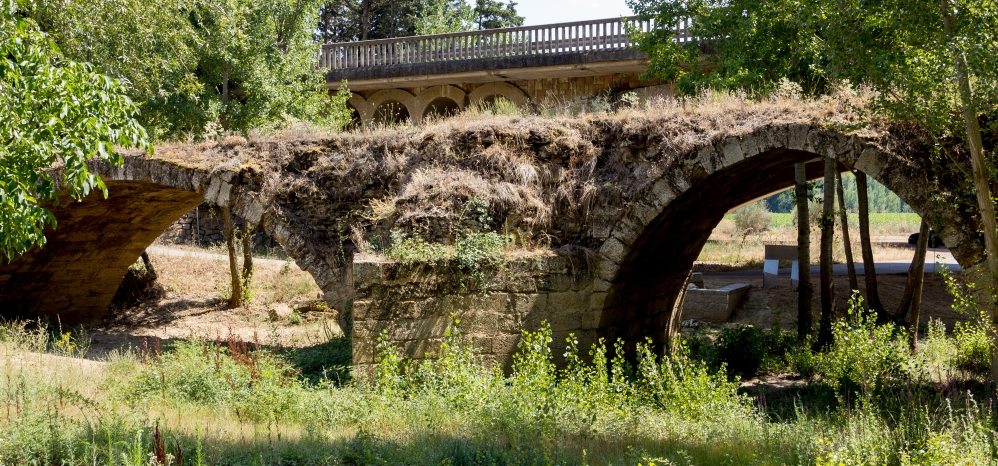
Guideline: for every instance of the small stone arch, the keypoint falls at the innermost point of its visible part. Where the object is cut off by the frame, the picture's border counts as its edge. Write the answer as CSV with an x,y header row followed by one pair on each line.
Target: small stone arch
x,y
501,89
380,99
426,99
363,108
644,261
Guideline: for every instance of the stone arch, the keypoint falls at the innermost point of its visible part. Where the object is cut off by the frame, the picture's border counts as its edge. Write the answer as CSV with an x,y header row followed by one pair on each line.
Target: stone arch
x,y
379,100
100,238
643,263
501,89
77,272
359,104
440,94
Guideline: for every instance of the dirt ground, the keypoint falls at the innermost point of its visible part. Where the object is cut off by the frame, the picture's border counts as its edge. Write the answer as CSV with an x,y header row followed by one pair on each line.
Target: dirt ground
x,y
192,304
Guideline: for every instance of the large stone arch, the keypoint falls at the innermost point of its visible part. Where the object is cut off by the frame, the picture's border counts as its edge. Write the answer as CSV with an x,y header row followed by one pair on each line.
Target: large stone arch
x,y
76,274
428,95
644,262
405,98
507,90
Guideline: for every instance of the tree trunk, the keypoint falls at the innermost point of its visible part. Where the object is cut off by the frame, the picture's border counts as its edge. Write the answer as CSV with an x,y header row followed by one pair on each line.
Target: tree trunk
x,y
846,242
236,298
916,278
869,267
247,276
365,18
804,290
827,235
148,265
675,319
914,272
980,172
224,117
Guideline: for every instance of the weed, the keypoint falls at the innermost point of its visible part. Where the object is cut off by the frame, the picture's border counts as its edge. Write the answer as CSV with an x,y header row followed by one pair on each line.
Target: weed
x,y
864,355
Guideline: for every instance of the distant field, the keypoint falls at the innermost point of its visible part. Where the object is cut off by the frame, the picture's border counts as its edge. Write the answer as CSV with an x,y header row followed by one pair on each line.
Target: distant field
x,y
728,247
888,223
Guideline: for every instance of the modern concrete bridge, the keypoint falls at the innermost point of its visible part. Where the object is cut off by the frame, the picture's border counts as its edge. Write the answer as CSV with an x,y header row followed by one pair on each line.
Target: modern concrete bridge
x,y
415,77
621,204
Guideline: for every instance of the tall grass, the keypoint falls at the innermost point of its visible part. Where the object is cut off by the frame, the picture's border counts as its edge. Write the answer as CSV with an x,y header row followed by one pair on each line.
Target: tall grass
x,y
226,402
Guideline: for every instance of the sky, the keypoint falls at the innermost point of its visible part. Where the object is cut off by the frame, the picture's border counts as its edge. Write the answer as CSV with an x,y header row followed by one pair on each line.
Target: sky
x,y
561,11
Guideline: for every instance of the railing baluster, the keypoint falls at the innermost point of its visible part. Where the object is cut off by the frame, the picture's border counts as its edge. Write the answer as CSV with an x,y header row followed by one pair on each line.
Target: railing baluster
x,y
581,36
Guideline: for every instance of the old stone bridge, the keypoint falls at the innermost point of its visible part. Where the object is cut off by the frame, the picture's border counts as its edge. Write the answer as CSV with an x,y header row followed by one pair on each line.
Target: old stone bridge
x,y
609,212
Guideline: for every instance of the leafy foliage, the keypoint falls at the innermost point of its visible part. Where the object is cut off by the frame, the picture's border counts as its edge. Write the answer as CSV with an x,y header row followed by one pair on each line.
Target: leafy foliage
x,y
595,407
350,20
753,45
57,113
493,14
445,16
864,355
257,63
898,47
199,67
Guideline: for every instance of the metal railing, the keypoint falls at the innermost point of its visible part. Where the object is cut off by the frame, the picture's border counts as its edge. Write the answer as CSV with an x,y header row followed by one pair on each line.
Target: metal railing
x,y
583,36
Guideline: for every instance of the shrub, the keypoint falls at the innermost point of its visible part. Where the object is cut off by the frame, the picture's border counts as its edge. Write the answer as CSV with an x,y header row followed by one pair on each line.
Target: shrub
x,y
974,345
413,250
804,362
253,382
742,350
746,351
685,387
937,350
480,249
752,219
864,355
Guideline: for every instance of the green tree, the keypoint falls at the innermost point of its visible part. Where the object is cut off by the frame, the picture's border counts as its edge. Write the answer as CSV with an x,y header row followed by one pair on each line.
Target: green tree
x,y
751,45
56,115
493,14
193,63
445,16
932,62
258,62
153,49
350,20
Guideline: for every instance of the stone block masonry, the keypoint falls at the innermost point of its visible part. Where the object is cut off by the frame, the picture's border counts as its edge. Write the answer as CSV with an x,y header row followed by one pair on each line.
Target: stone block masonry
x,y
203,226
411,306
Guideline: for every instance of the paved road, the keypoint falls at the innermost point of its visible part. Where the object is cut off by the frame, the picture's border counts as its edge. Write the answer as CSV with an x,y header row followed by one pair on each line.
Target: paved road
x,y
942,257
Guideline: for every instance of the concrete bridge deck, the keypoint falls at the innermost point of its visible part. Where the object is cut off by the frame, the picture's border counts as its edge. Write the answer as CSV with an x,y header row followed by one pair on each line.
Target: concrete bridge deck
x,y
620,205
583,48
414,77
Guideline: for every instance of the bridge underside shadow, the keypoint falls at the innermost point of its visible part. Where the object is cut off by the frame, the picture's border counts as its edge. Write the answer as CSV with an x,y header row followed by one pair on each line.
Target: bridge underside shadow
x,y
78,271
642,295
